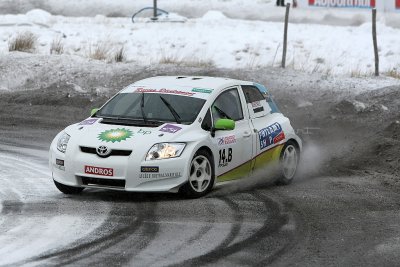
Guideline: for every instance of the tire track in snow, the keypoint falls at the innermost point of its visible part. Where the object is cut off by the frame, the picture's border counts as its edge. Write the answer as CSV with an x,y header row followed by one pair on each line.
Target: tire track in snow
x,y
30,227
271,225
114,230
161,257
9,208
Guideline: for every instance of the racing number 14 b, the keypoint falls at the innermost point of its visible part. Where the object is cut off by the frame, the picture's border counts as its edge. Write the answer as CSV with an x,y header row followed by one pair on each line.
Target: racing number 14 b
x,y
223,158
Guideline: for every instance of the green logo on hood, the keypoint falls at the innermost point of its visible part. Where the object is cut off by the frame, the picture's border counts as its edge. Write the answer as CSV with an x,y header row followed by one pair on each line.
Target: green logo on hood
x,y
115,135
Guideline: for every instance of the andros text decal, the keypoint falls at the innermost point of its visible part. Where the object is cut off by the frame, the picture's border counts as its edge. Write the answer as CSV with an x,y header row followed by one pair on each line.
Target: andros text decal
x,y
343,3
270,135
99,170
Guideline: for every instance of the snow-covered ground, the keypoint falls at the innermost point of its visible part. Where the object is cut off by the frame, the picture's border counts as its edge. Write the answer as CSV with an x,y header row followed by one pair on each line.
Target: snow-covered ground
x,y
236,9
212,39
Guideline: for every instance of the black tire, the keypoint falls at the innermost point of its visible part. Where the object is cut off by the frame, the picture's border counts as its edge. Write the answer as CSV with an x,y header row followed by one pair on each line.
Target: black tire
x,y
285,176
194,189
69,190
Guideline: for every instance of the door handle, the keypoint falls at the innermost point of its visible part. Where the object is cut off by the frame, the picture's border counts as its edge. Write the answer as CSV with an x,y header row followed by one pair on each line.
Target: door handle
x,y
246,134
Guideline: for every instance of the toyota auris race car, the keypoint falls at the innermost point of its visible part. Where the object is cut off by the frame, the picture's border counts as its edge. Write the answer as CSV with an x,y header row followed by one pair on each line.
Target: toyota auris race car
x,y
176,134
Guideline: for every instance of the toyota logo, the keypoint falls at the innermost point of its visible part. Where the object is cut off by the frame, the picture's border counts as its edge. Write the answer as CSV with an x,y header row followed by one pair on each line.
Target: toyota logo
x,y
103,151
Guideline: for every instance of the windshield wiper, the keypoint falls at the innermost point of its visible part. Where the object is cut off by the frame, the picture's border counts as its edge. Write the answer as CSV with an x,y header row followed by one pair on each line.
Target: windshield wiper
x,y
130,121
142,108
173,111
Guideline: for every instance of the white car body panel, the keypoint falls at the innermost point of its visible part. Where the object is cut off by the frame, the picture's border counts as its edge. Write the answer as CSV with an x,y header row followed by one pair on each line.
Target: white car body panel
x,y
244,142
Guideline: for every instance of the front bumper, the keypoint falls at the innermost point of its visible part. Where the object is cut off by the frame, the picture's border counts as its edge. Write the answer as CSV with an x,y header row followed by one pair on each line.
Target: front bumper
x,y
129,173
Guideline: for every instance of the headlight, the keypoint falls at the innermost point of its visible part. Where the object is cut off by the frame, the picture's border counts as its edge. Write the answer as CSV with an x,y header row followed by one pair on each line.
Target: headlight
x,y
63,142
165,151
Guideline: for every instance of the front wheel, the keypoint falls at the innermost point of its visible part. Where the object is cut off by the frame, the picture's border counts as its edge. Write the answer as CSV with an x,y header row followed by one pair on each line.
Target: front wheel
x,y
288,162
201,176
66,189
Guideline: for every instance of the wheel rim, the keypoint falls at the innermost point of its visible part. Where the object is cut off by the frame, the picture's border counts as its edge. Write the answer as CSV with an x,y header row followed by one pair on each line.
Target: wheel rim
x,y
289,162
200,174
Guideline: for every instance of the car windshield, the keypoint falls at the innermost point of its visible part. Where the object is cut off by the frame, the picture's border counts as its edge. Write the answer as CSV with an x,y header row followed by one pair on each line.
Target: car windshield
x,y
151,108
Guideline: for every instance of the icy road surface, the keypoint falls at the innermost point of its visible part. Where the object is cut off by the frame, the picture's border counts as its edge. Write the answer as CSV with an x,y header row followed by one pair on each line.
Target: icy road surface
x,y
324,220
41,226
342,209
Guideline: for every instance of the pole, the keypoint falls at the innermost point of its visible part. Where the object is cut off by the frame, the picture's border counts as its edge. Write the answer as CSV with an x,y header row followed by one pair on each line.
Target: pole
x,y
375,42
154,9
285,35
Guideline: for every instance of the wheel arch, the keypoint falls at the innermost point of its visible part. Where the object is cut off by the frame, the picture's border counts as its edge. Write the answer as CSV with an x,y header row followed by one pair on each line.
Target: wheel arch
x,y
209,151
295,139
295,142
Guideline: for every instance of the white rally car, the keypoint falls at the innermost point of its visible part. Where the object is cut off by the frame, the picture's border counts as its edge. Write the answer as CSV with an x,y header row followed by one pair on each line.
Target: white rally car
x,y
176,134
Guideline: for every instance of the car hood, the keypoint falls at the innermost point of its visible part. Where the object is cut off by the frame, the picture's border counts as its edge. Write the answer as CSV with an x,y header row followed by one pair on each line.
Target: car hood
x,y
125,137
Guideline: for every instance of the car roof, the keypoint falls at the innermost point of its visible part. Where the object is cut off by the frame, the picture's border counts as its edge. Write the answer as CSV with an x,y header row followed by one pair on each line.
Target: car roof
x,y
185,84
204,81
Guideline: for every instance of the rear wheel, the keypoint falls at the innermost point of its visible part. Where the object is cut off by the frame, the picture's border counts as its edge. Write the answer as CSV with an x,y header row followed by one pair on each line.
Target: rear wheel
x,y
288,162
69,190
201,176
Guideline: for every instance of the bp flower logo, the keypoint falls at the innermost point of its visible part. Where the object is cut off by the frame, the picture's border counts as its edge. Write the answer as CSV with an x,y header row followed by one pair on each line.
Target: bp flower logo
x,y
115,135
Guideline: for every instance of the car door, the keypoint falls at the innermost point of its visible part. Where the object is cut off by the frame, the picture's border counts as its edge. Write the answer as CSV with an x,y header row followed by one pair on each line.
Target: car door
x,y
234,148
267,131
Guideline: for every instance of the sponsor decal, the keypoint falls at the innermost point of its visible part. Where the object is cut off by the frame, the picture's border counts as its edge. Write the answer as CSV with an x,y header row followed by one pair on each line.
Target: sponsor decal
x,y
160,175
143,132
225,156
227,140
271,135
343,3
169,128
149,168
397,4
62,168
202,90
256,104
88,122
99,170
163,91
59,162
115,135
256,110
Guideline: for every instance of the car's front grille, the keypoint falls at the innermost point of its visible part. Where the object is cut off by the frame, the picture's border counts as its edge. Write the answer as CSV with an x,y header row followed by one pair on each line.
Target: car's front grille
x,y
114,152
102,182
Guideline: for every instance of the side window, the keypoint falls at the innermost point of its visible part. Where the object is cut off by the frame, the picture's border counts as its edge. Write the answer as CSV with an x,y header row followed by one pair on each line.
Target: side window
x,y
207,124
227,106
254,97
252,93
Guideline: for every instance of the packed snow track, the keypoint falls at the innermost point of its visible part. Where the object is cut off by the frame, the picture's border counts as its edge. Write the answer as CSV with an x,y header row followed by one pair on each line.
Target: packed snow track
x,y
342,209
41,226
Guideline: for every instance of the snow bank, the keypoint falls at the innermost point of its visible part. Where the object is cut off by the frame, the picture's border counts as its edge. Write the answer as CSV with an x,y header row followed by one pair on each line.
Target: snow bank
x,y
213,40
237,9
213,15
40,17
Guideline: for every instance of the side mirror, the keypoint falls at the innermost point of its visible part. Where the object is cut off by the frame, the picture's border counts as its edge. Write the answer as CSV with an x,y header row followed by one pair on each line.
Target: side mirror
x,y
93,111
224,124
